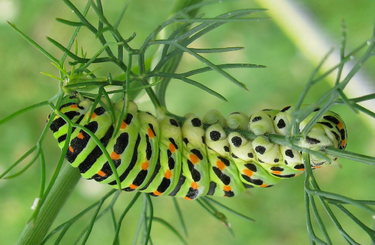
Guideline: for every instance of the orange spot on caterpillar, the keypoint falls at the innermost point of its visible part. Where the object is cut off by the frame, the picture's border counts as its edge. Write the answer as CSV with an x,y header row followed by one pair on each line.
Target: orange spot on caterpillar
x,y
145,165
80,136
277,172
133,187
340,126
227,188
123,125
101,173
187,198
93,115
172,148
264,185
301,169
157,193
168,174
220,165
115,156
194,185
150,133
193,158
71,149
74,106
248,172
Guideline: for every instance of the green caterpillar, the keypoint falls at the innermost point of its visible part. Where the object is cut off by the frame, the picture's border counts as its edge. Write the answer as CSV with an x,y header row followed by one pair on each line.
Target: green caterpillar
x,y
190,159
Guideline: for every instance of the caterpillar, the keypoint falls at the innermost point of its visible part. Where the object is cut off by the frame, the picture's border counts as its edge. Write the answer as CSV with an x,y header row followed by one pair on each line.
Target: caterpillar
x,y
209,156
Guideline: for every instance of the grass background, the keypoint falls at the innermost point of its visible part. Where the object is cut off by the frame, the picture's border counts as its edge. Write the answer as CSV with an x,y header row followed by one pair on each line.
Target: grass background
x,y
279,211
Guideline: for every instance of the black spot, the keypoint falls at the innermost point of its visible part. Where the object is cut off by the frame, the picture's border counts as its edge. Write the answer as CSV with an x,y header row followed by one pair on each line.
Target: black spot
x,y
276,160
71,114
193,172
284,176
173,122
192,193
128,119
250,155
215,135
148,148
121,143
226,148
256,119
343,133
285,108
326,124
173,142
253,181
212,188
165,183
196,122
177,188
197,153
92,126
67,105
140,177
277,169
289,153
337,137
223,177
299,166
224,160
234,156
332,119
228,193
99,111
281,124
236,141
251,166
186,141
247,186
171,161
260,149
312,141
152,128
61,138
80,119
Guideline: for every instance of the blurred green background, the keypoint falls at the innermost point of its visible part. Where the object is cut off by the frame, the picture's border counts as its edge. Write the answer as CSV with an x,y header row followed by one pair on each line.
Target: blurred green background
x,y
279,211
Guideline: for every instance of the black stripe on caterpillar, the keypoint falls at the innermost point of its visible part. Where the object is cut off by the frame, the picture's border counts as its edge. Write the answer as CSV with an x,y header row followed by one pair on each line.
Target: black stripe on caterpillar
x,y
162,156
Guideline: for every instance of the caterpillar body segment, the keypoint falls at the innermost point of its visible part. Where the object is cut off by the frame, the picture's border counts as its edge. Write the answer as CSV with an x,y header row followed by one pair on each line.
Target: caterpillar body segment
x,y
166,175
193,158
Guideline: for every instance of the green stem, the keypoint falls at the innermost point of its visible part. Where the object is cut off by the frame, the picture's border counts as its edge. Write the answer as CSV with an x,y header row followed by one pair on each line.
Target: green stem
x,y
173,63
34,232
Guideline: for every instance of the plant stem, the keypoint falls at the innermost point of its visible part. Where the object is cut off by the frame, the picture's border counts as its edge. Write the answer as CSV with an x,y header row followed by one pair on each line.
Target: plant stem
x,y
34,232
